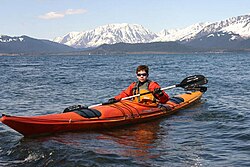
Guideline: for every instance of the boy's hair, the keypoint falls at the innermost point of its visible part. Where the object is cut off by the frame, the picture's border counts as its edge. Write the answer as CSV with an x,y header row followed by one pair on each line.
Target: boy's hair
x,y
142,68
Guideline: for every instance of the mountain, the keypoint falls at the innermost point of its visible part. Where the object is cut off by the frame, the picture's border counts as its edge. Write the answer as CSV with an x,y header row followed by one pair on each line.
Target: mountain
x,y
217,40
230,34
237,25
134,33
245,44
156,47
108,34
185,34
28,45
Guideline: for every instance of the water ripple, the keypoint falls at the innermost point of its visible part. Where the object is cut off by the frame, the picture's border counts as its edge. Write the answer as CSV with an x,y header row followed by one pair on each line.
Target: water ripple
x,y
214,132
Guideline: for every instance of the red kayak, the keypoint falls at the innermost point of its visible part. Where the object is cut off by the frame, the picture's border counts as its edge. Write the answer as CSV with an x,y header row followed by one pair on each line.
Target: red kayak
x,y
99,117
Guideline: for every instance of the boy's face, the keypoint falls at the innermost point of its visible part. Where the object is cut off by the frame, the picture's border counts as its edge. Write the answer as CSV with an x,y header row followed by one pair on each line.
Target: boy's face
x,y
142,76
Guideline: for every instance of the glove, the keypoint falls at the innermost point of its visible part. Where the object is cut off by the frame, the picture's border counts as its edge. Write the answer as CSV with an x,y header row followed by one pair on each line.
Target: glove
x,y
112,100
158,92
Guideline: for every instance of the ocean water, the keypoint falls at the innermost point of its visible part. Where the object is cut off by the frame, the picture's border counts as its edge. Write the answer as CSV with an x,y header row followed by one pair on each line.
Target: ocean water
x,y
214,132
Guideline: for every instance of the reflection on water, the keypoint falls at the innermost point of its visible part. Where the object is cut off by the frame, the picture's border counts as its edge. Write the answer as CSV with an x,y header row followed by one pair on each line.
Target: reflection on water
x,y
137,142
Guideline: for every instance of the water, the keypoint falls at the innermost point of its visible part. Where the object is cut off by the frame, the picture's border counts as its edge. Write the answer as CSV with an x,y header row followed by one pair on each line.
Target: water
x,y
215,132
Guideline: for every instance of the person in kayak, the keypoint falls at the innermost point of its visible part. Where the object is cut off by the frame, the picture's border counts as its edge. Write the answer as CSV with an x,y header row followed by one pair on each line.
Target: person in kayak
x,y
141,86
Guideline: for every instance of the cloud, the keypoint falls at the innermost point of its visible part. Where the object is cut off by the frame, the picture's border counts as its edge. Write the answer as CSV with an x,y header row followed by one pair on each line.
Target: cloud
x,y
75,11
59,15
52,15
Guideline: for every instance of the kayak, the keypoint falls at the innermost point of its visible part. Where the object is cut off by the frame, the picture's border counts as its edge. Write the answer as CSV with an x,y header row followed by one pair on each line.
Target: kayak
x,y
124,112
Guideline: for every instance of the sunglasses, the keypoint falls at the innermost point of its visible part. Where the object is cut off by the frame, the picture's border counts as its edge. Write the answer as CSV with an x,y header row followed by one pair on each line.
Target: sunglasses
x,y
143,74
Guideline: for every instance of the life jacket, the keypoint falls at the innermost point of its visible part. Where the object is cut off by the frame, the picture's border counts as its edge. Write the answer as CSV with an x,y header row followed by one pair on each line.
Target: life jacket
x,y
140,89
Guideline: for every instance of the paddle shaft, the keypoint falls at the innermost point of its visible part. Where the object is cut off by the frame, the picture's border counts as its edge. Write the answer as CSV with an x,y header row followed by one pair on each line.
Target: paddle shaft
x,y
129,97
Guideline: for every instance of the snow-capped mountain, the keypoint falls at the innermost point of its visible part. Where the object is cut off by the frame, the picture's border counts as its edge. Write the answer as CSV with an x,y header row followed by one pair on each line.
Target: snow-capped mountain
x,y
237,25
108,34
67,38
8,39
134,33
185,34
27,45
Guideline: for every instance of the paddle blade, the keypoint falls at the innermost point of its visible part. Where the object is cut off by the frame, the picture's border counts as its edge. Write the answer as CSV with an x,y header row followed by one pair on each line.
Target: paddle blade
x,y
193,81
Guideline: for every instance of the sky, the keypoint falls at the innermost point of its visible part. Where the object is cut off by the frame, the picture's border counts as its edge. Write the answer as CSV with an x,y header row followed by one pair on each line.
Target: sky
x,y
47,19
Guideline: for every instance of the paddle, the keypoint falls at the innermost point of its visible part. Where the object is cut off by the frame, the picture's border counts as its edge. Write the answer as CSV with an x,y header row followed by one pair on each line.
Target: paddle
x,y
188,83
